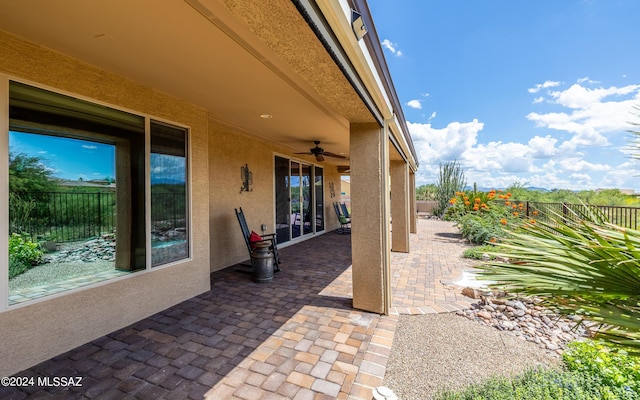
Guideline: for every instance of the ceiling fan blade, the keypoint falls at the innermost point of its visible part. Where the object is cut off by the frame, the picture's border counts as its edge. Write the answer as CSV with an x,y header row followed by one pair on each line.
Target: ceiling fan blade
x,y
307,153
326,153
319,157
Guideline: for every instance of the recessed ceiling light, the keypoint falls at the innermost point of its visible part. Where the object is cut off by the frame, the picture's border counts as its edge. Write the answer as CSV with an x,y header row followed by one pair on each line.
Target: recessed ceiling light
x,y
266,116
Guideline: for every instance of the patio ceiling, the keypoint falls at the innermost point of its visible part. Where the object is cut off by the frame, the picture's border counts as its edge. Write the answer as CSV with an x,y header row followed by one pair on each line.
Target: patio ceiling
x,y
238,60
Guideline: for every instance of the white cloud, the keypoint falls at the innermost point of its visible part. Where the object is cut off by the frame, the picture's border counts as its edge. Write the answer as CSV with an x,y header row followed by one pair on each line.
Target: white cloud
x,y
575,164
578,120
415,104
543,147
546,84
591,117
580,179
622,176
446,144
392,47
538,100
577,96
587,80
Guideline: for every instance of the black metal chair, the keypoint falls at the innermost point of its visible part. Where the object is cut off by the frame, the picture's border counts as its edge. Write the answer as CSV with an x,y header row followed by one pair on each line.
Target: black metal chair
x,y
345,223
265,238
345,210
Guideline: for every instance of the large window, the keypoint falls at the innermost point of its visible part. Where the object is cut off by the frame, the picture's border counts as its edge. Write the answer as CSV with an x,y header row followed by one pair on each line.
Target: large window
x,y
168,194
78,199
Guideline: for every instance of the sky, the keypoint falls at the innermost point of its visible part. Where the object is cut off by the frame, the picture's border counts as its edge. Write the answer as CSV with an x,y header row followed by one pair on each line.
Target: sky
x,y
541,93
69,159
73,159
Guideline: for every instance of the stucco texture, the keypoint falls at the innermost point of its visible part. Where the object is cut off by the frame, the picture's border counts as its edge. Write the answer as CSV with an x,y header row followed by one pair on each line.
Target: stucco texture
x,y
229,150
37,331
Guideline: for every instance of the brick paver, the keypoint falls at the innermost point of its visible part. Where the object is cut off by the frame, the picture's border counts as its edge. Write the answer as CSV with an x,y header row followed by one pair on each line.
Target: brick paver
x,y
296,337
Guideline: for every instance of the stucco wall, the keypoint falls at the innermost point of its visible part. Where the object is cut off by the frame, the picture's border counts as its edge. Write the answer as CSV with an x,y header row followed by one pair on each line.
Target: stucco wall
x,y
35,332
228,151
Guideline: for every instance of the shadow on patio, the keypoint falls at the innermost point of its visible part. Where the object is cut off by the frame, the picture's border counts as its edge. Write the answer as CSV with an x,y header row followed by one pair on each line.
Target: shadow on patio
x,y
295,337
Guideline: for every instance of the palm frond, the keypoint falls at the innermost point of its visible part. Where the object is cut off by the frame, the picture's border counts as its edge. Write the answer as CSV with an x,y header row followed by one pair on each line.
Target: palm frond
x,y
582,265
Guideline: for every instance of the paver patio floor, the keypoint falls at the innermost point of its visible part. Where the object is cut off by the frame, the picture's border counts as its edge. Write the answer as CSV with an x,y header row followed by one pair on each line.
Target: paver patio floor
x,y
296,337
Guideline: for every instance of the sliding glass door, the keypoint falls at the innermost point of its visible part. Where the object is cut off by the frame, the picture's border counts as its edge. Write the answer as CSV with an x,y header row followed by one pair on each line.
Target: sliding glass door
x,y
298,199
283,199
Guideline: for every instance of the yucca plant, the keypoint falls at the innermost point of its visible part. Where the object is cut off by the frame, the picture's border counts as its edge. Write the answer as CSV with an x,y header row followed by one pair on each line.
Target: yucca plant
x,y
582,265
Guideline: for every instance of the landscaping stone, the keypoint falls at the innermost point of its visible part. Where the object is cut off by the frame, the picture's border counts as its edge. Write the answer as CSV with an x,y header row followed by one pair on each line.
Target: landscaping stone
x,y
103,248
98,249
526,319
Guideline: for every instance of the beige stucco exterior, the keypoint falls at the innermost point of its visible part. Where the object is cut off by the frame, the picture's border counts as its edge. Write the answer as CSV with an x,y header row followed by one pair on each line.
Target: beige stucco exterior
x,y
228,151
35,332
215,66
400,206
370,219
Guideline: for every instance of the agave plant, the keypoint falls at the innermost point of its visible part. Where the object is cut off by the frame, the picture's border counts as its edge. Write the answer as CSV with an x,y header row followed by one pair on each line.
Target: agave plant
x,y
582,266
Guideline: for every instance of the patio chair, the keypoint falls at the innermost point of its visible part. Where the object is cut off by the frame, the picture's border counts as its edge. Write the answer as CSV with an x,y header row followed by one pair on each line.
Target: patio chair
x,y
250,238
345,223
345,211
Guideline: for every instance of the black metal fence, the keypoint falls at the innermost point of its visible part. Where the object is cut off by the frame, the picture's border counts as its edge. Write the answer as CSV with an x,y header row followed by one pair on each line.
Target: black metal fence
x,y
69,216
619,215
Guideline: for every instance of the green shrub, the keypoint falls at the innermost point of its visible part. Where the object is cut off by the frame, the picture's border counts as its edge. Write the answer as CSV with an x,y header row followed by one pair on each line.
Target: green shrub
x,y
480,218
23,254
537,384
606,364
479,229
487,226
477,252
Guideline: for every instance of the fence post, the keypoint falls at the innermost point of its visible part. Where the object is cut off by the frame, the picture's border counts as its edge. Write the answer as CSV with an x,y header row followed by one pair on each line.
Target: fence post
x,y
99,214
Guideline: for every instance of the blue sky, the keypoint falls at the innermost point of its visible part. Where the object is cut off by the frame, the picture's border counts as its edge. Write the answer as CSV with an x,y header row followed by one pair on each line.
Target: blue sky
x,y
539,92
67,158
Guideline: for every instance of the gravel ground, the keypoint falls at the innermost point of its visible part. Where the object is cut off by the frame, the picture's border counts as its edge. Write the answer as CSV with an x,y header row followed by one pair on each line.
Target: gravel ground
x,y
57,272
436,352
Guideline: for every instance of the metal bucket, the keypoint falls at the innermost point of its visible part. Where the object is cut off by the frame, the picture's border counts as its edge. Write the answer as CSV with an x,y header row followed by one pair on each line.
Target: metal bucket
x,y
262,262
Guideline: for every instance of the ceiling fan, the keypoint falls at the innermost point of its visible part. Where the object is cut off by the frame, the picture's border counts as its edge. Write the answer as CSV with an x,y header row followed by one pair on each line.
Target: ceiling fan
x,y
319,152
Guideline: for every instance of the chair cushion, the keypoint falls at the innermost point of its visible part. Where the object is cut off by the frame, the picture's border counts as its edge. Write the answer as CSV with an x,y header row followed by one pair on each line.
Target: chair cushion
x,y
253,238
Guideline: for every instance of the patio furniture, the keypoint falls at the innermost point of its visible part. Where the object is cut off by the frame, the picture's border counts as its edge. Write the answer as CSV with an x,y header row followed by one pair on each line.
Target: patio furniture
x,y
251,238
345,211
345,223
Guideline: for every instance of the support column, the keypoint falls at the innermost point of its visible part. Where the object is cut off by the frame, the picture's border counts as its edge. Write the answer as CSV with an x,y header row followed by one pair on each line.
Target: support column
x,y
370,245
413,209
399,206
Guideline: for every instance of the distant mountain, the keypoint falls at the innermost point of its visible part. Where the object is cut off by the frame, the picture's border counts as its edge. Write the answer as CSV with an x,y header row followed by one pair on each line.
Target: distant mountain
x,y
166,181
539,189
486,189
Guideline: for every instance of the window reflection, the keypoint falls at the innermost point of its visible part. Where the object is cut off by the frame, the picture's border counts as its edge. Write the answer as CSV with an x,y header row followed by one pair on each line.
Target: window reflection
x,y
169,235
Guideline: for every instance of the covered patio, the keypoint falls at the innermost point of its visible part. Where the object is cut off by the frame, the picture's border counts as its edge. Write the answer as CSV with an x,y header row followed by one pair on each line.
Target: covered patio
x,y
297,337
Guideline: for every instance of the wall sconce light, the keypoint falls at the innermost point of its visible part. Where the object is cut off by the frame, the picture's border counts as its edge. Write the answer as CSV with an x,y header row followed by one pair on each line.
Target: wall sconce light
x,y
247,179
357,23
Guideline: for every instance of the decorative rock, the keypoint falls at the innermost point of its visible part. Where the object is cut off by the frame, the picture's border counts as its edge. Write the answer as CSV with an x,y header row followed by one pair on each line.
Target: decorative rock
x,y
484,314
518,313
98,249
471,292
527,319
